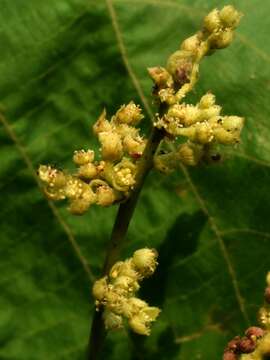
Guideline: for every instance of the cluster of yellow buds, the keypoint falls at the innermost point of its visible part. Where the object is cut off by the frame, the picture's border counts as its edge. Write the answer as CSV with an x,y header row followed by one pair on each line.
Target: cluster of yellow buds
x,y
255,345
179,77
116,293
202,124
108,180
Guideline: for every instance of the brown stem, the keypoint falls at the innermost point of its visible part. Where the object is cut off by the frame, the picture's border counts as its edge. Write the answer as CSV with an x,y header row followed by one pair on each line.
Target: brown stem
x,y
118,236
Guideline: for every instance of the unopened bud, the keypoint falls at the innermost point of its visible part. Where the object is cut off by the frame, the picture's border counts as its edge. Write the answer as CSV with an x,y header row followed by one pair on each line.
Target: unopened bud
x,y
212,21
105,195
102,125
232,123
180,65
145,260
112,321
264,317
190,154
160,76
247,345
225,137
233,345
111,146
100,289
207,114
191,44
87,171
222,40
229,16
78,206
207,101
124,282
254,332
141,322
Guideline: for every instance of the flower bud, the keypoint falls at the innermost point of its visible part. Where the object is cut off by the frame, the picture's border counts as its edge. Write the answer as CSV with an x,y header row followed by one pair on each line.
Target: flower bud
x,y
126,283
111,145
83,157
247,345
112,321
125,268
212,21
141,322
207,114
190,154
87,171
105,195
160,76
102,125
191,44
225,137
78,206
264,317
100,289
129,114
254,332
145,260
222,40
139,325
207,101
232,123
229,16
116,269
180,66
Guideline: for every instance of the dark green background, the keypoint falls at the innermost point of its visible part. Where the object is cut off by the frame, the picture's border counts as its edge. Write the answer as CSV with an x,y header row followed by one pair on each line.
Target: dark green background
x,y
61,62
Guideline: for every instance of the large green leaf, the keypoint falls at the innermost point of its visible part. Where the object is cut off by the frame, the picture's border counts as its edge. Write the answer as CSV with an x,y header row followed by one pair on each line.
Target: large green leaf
x,y
61,62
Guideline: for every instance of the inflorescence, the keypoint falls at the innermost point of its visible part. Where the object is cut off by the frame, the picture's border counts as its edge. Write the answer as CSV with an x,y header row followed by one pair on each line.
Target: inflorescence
x,y
202,124
116,293
112,176
109,180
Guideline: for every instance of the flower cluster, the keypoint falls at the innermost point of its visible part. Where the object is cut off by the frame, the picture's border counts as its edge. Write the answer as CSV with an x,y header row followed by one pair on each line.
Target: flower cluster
x,y
108,180
179,77
202,124
116,293
255,345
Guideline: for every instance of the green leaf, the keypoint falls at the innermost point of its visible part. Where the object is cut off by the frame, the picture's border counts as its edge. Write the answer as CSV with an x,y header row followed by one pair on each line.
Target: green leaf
x,y
61,63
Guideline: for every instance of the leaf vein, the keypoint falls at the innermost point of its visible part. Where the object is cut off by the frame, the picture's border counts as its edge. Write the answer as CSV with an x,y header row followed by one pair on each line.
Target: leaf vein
x,y
53,208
